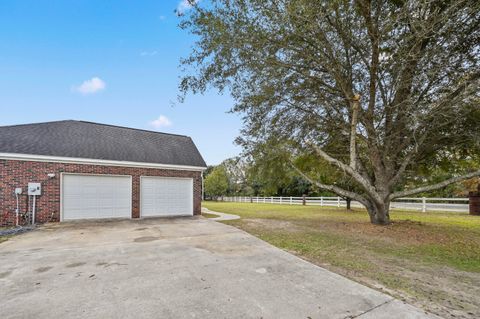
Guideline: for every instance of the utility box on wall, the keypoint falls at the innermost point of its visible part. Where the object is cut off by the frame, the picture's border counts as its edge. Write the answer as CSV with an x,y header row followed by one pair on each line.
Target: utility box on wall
x,y
474,202
34,189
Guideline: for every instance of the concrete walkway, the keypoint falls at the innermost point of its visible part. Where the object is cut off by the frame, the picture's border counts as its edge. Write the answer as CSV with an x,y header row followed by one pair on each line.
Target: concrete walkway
x,y
173,268
221,216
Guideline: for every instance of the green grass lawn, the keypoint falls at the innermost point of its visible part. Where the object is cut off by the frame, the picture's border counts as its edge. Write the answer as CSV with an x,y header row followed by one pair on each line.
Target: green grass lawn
x,y
429,259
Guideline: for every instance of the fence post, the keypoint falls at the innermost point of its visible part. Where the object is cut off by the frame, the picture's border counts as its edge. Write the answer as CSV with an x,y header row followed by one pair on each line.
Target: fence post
x,y
338,201
290,200
304,200
251,199
281,199
271,199
424,204
264,199
321,201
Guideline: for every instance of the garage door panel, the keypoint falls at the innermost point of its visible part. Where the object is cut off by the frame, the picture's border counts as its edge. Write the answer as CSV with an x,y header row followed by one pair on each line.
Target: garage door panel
x,y
161,196
96,196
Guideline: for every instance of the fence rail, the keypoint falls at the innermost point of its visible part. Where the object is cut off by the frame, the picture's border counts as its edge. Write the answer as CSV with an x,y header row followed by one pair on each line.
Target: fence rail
x,y
423,204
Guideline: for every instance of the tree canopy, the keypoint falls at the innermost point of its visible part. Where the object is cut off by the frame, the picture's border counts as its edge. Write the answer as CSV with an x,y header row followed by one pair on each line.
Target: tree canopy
x,y
380,90
216,182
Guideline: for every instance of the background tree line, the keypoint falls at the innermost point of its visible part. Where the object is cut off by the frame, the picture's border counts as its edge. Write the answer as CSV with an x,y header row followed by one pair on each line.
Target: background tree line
x,y
265,173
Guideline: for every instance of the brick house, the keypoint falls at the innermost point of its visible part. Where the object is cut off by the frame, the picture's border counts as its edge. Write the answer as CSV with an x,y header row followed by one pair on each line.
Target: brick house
x,y
69,170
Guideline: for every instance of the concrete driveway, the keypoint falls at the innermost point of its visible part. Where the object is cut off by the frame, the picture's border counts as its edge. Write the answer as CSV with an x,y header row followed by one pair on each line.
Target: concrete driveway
x,y
172,268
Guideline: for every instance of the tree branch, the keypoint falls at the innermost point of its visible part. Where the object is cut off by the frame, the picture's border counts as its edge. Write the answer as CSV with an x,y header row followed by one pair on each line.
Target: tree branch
x,y
337,190
356,175
353,131
408,158
434,186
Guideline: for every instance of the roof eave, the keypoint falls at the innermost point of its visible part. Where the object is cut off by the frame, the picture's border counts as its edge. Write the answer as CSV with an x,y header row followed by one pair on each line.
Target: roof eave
x,y
94,161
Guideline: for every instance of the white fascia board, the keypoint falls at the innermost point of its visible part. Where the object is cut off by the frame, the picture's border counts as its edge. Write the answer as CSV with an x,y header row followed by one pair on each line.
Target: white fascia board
x,y
93,161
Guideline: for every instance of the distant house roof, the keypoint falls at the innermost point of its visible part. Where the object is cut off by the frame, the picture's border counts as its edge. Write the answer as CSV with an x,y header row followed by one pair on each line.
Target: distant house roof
x,y
80,139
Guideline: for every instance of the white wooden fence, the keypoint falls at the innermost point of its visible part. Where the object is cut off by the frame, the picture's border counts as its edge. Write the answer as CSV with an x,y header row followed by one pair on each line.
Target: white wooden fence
x,y
423,204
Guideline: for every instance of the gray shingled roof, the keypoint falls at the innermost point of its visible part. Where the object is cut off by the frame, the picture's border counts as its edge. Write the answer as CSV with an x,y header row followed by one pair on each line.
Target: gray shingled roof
x,y
99,141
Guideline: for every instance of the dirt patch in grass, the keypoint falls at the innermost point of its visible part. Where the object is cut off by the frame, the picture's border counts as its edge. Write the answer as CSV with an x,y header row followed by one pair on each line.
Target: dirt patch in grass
x,y
398,232
431,261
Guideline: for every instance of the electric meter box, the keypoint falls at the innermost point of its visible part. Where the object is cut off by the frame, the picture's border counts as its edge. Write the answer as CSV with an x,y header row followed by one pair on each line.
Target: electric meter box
x,y
34,189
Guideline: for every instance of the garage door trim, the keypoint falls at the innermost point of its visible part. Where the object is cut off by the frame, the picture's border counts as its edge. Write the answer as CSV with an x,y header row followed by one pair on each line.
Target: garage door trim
x,y
87,174
167,177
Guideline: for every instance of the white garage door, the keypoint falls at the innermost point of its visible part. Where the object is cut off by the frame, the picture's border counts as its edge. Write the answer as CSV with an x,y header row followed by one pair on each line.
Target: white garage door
x,y
96,196
163,196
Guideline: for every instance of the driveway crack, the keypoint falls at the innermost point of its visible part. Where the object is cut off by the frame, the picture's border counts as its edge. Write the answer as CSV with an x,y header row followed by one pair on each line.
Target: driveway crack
x,y
369,310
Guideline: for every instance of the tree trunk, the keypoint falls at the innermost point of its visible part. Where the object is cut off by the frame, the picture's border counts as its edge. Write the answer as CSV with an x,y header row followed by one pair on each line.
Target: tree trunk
x,y
349,203
379,212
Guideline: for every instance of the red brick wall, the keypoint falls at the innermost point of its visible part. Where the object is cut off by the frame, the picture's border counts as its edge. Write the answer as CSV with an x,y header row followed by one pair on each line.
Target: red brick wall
x,y
474,201
19,173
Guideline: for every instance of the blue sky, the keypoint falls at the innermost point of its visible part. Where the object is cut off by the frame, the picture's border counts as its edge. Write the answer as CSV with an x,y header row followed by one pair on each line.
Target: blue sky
x,y
112,62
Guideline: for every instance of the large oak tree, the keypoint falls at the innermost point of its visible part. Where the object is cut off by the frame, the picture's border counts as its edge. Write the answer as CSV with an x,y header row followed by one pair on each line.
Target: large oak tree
x,y
374,88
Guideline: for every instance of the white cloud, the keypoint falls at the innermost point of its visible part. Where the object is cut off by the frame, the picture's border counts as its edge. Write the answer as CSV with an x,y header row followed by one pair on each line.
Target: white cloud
x,y
91,86
185,5
161,121
148,53
162,17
